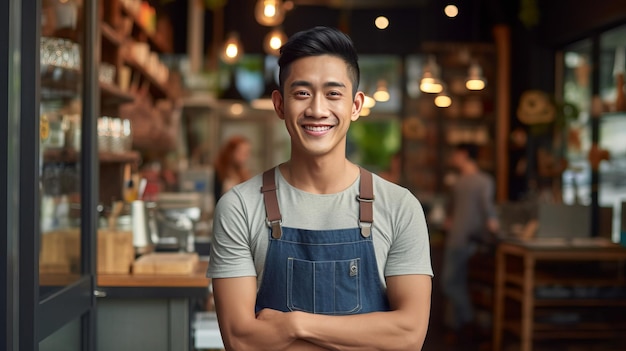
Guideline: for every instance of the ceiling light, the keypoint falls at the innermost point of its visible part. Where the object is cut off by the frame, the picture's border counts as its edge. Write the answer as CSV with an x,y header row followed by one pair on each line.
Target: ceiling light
x,y
443,99
451,11
430,82
475,79
233,50
236,109
381,94
269,12
381,22
369,102
274,40
365,112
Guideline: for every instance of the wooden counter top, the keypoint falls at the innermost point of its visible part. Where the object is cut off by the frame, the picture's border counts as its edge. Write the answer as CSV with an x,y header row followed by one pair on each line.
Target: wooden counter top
x,y
196,280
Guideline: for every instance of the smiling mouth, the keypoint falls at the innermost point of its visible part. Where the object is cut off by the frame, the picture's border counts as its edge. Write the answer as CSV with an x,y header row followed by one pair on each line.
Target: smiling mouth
x,y
317,128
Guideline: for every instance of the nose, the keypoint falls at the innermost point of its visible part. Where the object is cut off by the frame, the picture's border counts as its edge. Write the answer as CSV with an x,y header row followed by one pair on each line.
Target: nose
x,y
318,107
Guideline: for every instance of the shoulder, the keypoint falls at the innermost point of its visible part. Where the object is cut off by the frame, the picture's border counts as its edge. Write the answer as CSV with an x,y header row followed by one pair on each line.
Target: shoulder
x,y
389,190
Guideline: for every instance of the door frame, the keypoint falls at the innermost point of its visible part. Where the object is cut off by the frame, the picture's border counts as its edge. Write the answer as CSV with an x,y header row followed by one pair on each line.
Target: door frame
x,y
9,196
40,318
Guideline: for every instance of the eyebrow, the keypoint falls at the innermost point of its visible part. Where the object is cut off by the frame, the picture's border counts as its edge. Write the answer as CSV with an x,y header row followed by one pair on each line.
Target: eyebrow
x,y
304,83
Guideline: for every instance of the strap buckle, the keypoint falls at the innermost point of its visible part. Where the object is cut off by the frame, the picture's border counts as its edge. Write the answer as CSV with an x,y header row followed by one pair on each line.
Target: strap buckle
x,y
276,227
366,229
361,199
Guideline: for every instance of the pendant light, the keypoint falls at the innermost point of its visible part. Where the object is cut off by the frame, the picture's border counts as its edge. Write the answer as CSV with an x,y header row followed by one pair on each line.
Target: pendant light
x,y
442,99
274,40
269,12
369,102
430,82
232,50
475,79
382,93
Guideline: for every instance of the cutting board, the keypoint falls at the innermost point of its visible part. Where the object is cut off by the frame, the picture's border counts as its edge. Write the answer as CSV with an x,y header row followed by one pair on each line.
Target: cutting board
x,y
115,251
166,263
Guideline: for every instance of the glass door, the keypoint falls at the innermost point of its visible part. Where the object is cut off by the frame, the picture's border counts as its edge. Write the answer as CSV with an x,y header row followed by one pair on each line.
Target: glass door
x,y
58,164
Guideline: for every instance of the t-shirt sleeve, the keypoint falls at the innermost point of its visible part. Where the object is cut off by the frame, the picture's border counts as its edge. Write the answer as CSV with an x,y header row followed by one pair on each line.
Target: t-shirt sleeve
x,y
231,254
410,249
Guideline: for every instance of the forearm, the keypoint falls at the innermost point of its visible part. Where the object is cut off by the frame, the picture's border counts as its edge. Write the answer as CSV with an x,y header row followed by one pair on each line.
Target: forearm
x,y
402,328
373,331
259,335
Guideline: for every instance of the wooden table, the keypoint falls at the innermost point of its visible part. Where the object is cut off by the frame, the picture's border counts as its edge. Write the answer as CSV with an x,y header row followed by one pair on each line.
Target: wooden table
x,y
518,276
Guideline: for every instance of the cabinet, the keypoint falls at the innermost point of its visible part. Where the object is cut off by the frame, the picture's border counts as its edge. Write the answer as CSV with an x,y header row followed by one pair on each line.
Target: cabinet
x,y
559,289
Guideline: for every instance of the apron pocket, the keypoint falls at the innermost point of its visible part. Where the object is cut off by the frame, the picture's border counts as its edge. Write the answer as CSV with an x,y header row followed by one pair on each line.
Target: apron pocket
x,y
325,287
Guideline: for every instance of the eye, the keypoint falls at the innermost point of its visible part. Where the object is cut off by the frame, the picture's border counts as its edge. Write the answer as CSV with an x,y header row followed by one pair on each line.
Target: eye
x,y
334,94
301,93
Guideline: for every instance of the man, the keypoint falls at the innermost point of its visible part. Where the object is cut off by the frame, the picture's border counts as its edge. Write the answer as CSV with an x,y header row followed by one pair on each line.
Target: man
x,y
304,257
472,215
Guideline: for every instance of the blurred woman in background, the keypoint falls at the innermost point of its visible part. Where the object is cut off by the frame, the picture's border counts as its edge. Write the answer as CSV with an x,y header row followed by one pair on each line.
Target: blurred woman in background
x,y
231,165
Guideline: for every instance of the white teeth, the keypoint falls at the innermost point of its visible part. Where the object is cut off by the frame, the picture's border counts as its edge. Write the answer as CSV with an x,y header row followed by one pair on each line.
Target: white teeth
x,y
317,128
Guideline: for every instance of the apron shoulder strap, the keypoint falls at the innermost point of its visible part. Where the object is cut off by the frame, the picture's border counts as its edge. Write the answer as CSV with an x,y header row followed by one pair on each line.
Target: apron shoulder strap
x,y
366,201
268,189
365,198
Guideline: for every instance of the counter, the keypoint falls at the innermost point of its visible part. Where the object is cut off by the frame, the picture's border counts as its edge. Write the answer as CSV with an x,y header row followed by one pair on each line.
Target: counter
x,y
149,312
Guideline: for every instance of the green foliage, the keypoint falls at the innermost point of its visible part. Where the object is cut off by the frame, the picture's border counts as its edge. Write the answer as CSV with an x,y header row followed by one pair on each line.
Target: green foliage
x,y
375,141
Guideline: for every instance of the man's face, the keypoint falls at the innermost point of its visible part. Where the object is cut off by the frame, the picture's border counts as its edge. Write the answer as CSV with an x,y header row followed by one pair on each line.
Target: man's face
x,y
317,105
458,158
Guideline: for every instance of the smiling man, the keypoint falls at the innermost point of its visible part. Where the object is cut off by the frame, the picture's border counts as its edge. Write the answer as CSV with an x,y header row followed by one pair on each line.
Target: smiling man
x,y
318,253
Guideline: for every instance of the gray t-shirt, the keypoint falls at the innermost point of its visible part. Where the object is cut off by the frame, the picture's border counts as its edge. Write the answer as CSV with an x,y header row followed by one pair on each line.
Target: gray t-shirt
x,y
472,204
240,232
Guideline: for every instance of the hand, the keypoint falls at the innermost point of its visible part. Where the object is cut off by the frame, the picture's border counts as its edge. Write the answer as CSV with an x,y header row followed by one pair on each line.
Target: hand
x,y
493,226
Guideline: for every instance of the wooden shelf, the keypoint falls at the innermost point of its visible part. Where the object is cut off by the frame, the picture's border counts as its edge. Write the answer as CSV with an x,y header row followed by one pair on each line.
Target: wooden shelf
x,y
157,89
516,294
545,331
154,40
113,95
67,155
110,157
111,35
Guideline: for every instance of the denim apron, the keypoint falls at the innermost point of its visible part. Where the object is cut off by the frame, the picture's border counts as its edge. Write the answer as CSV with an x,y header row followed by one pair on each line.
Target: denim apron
x,y
331,272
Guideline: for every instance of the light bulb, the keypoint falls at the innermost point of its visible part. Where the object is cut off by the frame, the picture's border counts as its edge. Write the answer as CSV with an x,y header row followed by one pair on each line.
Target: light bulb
x,y
232,49
369,102
475,79
430,82
475,84
274,40
451,11
381,94
381,22
443,100
269,12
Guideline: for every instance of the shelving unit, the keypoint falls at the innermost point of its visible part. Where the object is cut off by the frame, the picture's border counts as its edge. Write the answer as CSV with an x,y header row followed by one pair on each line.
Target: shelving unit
x,y
429,132
560,291
136,93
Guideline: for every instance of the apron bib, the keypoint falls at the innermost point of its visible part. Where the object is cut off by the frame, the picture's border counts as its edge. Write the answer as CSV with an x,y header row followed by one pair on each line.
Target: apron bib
x,y
330,272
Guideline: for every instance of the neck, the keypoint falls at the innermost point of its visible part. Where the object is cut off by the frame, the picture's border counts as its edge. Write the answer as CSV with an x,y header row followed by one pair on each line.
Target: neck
x,y
320,176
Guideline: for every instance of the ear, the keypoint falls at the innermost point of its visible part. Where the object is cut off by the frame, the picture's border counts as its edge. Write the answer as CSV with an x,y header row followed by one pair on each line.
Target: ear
x,y
279,106
357,105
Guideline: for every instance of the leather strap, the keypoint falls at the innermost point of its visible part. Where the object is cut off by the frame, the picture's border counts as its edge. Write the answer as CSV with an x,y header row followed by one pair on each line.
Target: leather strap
x,y
366,202
274,218
365,198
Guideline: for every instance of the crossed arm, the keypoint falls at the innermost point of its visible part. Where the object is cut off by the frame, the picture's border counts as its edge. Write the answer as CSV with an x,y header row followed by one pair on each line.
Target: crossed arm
x,y
402,328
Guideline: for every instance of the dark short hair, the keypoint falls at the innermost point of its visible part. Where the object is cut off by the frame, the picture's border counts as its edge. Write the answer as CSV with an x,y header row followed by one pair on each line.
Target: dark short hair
x,y
319,41
470,149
